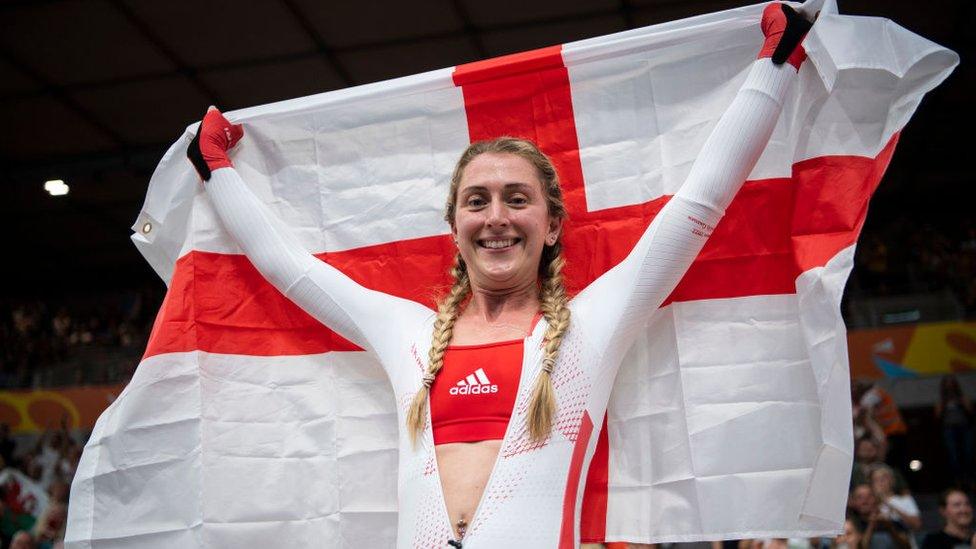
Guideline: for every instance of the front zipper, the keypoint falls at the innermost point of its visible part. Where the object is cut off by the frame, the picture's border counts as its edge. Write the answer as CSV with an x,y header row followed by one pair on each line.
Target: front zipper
x,y
462,527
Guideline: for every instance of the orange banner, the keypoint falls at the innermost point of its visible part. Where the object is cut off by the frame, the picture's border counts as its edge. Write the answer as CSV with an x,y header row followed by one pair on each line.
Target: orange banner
x,y
30,410
913,350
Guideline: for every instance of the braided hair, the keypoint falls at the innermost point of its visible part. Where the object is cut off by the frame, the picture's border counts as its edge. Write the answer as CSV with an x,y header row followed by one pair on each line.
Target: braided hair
x,y
554,302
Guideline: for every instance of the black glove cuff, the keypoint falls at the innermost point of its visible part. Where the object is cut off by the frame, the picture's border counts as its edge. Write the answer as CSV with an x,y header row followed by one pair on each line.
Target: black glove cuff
x,y
796,28
196,157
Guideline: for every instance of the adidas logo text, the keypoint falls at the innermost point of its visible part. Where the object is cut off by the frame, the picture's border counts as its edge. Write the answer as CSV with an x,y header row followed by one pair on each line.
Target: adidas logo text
x,y
475,384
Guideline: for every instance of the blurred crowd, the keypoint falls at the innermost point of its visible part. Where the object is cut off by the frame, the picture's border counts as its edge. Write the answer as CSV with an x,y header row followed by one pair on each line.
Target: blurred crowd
x,y
39,334
34,484
903,257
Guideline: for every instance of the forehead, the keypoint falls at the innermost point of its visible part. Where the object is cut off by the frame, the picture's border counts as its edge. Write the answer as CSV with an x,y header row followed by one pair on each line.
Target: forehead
x,y
957,497
498,170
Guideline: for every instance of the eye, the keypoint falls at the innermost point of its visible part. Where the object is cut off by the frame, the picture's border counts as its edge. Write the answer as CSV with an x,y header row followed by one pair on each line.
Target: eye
x,y
475,201
518,200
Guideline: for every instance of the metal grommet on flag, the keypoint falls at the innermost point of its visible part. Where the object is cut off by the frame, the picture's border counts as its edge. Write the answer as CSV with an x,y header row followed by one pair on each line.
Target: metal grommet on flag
x,y
145,227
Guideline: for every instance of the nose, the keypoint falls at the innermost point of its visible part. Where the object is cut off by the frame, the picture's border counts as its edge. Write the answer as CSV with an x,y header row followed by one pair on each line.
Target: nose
x,y
497,215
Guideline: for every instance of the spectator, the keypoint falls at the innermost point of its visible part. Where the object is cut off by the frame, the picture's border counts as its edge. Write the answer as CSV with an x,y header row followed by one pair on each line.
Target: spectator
x,y
49,454
50,525
865,426
958,514
851,538
898,507
877,532
41,339
955,412
868,453
883,409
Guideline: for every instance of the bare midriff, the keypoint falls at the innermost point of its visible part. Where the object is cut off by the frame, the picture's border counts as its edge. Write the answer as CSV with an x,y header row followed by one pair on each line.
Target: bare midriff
x,y
464,469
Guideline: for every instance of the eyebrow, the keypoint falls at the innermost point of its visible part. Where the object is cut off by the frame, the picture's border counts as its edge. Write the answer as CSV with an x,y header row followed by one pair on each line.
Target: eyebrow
x,y
481,188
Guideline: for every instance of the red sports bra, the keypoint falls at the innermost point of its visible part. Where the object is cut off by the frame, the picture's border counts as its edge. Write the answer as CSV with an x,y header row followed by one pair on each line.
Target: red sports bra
x,y
474,393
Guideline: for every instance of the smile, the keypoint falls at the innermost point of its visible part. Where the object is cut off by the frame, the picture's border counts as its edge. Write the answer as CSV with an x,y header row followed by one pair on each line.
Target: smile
x,y
498,244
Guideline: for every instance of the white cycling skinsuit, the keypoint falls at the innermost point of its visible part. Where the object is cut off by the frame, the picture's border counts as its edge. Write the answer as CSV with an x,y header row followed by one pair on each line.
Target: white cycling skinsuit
x,y
533,496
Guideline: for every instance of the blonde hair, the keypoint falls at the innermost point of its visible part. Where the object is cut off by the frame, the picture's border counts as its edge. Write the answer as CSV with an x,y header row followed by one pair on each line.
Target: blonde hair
x,y
552,295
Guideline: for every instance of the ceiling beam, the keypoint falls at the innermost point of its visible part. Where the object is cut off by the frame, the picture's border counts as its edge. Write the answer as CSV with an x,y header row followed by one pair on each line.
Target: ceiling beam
x,y
321,47
60,93
334,52
182,67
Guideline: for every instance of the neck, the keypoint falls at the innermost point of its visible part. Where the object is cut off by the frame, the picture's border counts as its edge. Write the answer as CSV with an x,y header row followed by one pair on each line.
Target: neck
x,y
957,530
496,305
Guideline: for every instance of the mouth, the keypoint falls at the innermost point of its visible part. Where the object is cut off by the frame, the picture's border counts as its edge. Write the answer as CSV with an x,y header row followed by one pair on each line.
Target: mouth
x,y
498,243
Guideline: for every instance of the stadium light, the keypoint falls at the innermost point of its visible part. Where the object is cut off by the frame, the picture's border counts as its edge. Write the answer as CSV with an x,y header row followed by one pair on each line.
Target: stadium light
x,y
915,465
56,187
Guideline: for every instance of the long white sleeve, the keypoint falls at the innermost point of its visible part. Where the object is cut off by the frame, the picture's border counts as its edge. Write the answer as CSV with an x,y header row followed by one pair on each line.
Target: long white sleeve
x,y
618,303
370,319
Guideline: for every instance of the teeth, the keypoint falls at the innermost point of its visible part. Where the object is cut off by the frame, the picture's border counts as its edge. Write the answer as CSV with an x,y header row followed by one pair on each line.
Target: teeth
x,y
498,243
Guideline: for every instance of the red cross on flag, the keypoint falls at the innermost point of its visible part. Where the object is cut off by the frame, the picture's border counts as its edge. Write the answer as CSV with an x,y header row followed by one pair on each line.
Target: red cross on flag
x,y
249,424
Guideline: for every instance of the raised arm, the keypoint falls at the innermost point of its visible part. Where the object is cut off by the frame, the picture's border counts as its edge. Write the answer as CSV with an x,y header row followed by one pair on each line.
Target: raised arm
x,y
373,320
618,303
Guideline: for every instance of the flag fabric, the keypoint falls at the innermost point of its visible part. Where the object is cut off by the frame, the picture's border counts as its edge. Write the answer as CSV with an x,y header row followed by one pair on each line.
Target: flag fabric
x,y
22,494
248,424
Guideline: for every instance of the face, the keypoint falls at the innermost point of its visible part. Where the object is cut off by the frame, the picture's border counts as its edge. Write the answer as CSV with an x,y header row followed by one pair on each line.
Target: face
x,y
957,510
882,481
867,452
862,500
502,222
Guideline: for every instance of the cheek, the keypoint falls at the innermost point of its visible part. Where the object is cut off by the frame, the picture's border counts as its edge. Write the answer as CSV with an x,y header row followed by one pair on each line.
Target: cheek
x,y
465,225
536,225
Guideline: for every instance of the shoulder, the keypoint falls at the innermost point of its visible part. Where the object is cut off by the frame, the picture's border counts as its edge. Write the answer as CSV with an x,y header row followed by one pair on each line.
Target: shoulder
x,y
938,540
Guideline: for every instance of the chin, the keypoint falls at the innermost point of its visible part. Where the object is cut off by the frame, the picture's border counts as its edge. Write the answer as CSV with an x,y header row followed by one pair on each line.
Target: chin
x,y
500,278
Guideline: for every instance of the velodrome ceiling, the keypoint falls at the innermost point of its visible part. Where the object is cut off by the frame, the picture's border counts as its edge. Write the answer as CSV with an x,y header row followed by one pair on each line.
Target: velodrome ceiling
x,y
92,91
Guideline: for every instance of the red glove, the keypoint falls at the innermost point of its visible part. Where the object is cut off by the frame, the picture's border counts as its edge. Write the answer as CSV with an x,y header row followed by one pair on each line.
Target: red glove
x,y
216,136
784,29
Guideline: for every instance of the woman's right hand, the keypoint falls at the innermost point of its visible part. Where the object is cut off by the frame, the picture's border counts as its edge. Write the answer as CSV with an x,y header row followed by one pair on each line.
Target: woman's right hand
x,y
215,136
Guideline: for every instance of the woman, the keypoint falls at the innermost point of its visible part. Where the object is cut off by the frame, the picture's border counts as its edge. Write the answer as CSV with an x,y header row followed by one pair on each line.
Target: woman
x,y
896,506
876,531
957,512
955,411
517,375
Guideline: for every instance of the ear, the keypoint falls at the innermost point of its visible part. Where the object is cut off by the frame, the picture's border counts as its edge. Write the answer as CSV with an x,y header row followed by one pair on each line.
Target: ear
x,y
555,229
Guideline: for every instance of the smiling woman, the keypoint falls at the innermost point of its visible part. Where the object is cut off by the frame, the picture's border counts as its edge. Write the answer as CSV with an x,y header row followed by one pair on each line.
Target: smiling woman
x,y
517,374
505,209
